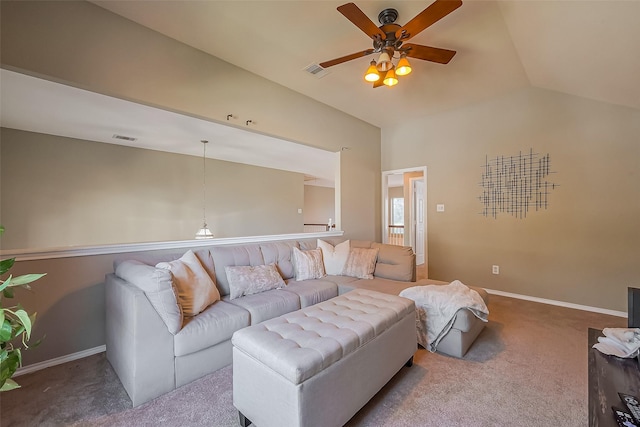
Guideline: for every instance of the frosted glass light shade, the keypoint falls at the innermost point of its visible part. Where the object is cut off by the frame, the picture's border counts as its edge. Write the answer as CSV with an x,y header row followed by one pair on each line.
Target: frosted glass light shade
x,y
390,78
403,68
384,62
204,233
372,74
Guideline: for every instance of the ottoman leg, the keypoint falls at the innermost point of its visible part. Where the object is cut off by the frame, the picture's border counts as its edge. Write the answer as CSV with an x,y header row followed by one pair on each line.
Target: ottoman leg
x,y
409,362
244,421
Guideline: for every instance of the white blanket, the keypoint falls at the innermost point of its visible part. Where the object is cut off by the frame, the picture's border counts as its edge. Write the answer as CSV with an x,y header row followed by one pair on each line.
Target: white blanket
x,y
621,342
437,307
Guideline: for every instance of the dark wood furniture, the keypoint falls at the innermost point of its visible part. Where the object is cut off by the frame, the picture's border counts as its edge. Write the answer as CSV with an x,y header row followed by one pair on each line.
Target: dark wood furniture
x,y
609,375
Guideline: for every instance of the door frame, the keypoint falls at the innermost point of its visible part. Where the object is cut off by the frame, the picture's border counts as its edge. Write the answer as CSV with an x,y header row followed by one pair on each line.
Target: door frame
x,y
413,236
385,206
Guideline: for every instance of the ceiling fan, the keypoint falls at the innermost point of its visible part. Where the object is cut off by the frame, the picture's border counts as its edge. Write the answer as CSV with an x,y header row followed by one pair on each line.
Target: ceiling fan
x,y
389,38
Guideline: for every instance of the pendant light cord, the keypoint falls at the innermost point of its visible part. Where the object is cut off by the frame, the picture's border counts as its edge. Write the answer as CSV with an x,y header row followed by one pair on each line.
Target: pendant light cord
x,y
204,183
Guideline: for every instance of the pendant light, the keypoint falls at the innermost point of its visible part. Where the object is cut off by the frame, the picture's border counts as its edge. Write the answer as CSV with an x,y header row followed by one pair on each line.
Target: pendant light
x,y
390,78
384,61
372,74
204,232
403,68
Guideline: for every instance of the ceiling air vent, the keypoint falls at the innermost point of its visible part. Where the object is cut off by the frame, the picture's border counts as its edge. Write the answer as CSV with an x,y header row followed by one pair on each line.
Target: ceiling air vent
x,y
316,70
124,138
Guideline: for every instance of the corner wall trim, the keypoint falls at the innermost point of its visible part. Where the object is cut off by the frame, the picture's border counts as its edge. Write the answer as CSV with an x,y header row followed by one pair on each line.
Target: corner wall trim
x,y
559,303
60,360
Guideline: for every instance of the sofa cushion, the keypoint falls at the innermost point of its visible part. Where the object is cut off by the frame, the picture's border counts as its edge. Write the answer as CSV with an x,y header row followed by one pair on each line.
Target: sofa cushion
x,y
249,280
361,263
308,264
224,256
334,257
267,305
377,284
214,325
312,291
158,286
196,290
279,253
395,262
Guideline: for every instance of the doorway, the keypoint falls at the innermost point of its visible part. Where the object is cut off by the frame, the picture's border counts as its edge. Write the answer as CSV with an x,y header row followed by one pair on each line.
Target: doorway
x,y
404,196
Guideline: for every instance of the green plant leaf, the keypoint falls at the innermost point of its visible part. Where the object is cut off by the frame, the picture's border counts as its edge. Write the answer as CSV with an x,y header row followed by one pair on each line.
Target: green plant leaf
x,y
1,229
27,278
9,366
1,316
8,293
9,384
6,264
6,331
6,283
25,320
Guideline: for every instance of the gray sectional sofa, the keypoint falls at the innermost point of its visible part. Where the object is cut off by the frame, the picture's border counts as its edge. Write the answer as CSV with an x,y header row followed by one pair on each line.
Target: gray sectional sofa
x,y
152,354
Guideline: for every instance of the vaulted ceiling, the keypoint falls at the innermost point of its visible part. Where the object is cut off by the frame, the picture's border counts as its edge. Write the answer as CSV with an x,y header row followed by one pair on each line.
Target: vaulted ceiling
x,y
589,49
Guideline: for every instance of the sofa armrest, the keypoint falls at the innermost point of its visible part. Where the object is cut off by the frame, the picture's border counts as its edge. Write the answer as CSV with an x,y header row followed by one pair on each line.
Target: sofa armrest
x,y
395,262
139,346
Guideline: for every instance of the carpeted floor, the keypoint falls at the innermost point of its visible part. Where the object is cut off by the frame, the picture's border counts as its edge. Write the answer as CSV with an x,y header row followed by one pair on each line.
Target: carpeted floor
x,y
527,368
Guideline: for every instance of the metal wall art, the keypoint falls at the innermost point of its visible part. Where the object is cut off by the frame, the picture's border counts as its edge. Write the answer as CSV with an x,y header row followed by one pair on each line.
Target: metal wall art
x,y
516,184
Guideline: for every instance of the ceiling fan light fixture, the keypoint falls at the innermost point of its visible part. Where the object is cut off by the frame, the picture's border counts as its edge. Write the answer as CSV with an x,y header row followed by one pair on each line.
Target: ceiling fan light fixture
x,y
384,62
372,74
390,78
403,68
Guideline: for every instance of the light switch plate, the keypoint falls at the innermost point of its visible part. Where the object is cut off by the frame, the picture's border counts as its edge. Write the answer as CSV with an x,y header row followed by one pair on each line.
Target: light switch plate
x,y
439,208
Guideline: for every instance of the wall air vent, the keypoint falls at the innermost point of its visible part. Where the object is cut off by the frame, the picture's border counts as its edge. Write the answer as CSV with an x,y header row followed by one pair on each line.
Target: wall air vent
x,y
316,70
124,137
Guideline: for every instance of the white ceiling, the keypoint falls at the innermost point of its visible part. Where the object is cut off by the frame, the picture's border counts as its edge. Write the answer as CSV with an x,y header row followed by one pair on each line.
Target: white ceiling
x,y
585,48
37,105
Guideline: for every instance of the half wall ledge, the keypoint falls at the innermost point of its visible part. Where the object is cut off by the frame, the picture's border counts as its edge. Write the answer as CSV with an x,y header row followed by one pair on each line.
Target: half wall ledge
x,y
78,251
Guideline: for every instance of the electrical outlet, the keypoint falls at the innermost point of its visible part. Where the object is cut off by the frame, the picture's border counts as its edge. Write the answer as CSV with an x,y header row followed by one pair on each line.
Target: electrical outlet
x,y
439,208
495,269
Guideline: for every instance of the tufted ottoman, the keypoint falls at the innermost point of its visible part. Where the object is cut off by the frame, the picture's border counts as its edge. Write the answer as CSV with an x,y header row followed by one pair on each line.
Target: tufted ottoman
x,y
318,366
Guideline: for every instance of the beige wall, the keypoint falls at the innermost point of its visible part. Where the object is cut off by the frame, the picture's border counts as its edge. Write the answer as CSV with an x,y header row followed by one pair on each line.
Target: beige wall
x,y
585,248
66,192
86,46
319,204
80,44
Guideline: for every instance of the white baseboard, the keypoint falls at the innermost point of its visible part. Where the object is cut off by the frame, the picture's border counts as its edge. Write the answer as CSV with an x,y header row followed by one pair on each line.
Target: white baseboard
x,y
60,360
559,303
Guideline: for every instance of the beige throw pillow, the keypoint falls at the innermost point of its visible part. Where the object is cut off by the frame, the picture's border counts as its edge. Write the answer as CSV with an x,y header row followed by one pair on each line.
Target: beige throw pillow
x,y
334,258
248,280
308,264
361,263
196,289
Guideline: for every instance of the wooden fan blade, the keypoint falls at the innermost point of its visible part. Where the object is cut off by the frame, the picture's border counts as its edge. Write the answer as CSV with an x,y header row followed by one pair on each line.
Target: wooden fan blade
x,y
428,53
360,20
432,14
340,60
378,82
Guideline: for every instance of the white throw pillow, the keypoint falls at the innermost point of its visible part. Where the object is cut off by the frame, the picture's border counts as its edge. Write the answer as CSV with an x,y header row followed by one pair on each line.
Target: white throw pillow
x,y
196,290
361,263
334,258
308,264
248,280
